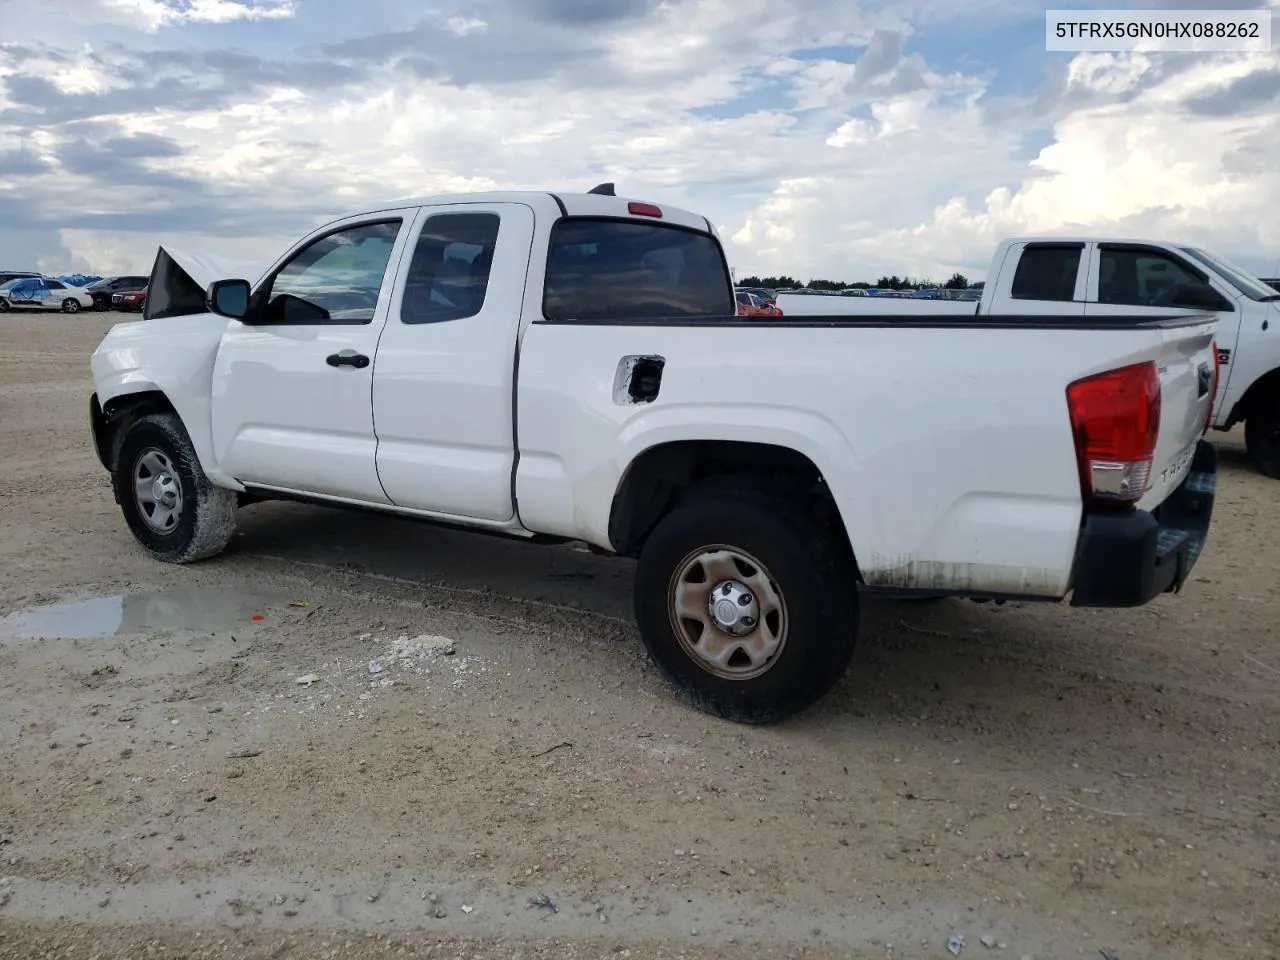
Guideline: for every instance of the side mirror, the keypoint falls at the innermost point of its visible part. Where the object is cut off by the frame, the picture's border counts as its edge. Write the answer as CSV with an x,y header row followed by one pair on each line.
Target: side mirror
x,y
1198,296
228,298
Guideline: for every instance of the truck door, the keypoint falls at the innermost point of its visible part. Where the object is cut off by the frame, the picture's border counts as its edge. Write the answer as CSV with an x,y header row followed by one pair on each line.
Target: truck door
x,y
292,383
1136,279
444,378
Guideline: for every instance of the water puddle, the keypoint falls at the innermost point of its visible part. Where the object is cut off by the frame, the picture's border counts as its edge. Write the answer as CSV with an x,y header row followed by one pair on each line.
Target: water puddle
x,y
181,608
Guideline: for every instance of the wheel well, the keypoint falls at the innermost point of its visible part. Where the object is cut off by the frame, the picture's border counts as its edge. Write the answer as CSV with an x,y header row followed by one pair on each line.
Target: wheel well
x,y
112,420
656,479
1265,385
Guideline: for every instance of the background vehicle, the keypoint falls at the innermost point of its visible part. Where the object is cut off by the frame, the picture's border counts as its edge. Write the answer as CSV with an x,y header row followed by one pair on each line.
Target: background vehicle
x,y
1095,279
749,305
104,289
43,293
129,301
767,294
78,279
571,368
7,275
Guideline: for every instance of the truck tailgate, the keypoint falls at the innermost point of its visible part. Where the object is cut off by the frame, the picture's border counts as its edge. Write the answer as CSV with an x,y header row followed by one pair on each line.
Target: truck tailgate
x,y
1186,367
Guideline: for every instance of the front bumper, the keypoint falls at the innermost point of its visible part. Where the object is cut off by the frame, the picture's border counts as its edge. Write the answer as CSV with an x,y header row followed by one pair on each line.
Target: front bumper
x,y
1129,557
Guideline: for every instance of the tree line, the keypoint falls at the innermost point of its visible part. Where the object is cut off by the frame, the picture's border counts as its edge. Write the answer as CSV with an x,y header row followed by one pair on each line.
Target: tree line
x,y
958,281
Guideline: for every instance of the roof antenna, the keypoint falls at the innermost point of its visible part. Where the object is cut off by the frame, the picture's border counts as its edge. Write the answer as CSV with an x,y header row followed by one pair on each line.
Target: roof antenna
x,y
604,190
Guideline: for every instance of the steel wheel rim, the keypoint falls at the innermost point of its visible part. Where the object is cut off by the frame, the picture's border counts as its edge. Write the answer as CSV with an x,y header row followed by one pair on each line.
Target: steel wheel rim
x,y
70,306
698,601
157,490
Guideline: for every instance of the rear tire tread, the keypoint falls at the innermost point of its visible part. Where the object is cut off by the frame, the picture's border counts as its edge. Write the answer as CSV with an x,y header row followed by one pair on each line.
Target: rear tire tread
x,y
805,560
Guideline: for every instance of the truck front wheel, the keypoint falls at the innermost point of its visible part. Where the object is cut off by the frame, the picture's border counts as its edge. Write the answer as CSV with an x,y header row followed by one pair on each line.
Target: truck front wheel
x,y
171,507
1262,435
745,605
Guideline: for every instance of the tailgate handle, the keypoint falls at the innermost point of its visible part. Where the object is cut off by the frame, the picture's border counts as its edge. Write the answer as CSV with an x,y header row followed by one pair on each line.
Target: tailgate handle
x,y
1205,379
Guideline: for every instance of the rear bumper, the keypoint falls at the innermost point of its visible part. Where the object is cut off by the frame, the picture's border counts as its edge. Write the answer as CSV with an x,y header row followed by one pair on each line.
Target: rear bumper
x,y
1126,559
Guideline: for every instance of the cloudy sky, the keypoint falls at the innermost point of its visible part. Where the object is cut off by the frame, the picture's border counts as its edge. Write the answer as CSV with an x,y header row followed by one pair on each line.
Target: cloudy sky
x,y
831,138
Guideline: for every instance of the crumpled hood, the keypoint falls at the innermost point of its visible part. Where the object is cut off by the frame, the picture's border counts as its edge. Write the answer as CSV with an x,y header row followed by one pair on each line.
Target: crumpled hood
x,y
179,279
205,268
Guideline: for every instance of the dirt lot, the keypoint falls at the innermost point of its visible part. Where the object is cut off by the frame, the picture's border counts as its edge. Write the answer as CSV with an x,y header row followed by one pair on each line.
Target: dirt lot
x,y
1059,781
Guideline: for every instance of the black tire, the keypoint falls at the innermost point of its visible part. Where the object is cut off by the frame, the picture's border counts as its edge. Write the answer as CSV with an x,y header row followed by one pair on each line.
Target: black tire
x,y
4,306
71,305
804,564
100,305
207,518
1262,435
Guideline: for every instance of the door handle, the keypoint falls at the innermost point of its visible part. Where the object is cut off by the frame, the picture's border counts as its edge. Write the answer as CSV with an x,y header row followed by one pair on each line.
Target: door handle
x,y
347,358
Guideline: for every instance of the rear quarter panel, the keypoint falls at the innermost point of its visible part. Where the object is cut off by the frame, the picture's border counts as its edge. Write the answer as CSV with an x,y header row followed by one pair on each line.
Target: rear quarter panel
x,y
948,450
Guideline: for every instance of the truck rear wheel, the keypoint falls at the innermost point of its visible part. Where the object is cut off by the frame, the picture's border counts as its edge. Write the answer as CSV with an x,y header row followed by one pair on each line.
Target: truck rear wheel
x,y
745,605
171,507
1262,436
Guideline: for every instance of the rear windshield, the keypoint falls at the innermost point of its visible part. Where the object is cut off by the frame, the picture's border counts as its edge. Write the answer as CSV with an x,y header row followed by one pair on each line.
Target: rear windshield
x,y
623,270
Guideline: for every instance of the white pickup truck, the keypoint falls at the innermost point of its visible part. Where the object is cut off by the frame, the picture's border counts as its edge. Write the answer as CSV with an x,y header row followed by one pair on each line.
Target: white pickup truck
x,y
570,368
1094,277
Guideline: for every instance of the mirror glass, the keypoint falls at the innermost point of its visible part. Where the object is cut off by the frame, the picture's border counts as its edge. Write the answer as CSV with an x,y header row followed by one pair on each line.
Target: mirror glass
x,y
230,297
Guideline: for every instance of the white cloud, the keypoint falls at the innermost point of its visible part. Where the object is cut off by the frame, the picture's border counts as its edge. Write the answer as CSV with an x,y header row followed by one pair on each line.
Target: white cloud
x,y
151,15
848,172
1142,167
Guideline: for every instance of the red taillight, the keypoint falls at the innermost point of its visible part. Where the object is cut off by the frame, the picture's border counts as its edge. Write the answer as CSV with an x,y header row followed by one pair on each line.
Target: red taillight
x,y
644,210
1115,420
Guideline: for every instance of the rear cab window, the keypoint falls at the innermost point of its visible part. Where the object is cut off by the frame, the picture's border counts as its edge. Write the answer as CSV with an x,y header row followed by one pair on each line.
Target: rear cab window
x,y
1047,271
601,269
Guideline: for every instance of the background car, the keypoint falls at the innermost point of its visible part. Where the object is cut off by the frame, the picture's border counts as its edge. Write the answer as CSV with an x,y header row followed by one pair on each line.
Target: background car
x,y
108,287
769,296
749,305
129,300
43,293
7,275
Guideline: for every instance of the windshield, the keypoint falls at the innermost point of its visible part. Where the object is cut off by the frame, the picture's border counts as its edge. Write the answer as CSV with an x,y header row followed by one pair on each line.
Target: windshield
x,y
1250,286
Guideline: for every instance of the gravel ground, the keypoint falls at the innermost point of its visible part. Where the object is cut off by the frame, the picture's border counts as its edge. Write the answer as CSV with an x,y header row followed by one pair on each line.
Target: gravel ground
x,y
481,763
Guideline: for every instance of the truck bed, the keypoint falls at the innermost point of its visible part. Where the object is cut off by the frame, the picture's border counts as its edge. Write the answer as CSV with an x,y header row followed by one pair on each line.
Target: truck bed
x,y
946,443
